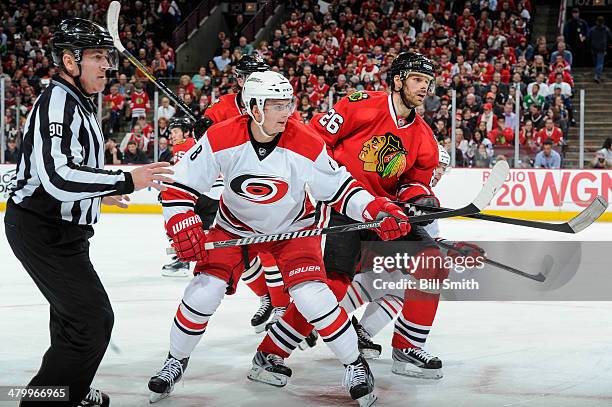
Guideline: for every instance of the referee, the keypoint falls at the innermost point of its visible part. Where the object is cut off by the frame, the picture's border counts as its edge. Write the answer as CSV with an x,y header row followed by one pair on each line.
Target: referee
x,y
56,200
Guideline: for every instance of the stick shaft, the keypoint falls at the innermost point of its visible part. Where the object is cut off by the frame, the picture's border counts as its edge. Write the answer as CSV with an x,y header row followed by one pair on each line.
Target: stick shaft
x,y
584,218
112,23
537,277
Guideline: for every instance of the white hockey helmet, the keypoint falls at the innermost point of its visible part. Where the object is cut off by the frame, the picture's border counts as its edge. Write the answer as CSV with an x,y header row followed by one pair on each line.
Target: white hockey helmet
x,y
443,156
262,86
443,167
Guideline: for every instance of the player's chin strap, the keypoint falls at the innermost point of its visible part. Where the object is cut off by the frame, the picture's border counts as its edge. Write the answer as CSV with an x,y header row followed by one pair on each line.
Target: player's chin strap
x,y
260,124
77,79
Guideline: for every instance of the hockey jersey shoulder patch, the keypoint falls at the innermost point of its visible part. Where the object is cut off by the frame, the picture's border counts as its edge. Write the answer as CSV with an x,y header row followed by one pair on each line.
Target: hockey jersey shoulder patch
x,y
357,96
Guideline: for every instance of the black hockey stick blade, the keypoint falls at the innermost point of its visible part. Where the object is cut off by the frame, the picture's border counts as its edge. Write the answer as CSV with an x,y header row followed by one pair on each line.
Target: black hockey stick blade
x,y
537,277
112,24
577,224
496,179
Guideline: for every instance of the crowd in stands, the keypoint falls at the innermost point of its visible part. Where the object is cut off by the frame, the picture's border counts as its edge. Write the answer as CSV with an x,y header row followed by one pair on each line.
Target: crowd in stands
x,y
484,50
26,29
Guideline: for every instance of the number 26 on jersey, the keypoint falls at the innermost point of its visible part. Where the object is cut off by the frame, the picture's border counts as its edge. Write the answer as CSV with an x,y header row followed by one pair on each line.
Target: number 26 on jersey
x,y
331,121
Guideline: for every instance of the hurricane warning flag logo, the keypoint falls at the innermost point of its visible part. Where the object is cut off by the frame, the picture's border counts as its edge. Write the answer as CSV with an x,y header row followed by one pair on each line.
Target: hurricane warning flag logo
x,y
259,189
384,155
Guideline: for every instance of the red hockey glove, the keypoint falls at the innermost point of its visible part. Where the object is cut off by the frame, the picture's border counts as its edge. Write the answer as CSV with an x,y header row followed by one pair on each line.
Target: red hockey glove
x,y
390,228
188,237
465,249
418,194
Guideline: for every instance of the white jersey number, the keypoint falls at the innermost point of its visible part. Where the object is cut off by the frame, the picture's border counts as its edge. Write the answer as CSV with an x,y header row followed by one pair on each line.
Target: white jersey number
x,y
331,121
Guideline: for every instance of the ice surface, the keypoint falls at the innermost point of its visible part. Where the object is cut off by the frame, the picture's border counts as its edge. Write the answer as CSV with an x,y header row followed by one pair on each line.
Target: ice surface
x,y
494,353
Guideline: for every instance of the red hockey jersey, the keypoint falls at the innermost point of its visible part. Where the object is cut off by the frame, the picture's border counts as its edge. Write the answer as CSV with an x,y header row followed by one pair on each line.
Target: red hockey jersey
x,y
380,150
224,108
179,150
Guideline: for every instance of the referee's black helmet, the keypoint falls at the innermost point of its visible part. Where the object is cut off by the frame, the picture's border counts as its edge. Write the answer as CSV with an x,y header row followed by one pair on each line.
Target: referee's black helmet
x,y
76,35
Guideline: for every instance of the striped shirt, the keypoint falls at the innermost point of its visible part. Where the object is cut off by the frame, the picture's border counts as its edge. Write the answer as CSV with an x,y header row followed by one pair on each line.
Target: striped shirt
x,y
60,173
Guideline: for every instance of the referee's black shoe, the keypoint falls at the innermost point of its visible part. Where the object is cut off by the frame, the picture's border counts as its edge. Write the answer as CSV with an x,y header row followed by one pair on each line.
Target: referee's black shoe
x,y
95,398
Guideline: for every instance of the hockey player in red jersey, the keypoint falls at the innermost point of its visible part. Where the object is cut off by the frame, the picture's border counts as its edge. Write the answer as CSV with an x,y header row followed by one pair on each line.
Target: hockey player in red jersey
x,y
384,304
270,162
262,275
384,144
182,141
231,105
179,136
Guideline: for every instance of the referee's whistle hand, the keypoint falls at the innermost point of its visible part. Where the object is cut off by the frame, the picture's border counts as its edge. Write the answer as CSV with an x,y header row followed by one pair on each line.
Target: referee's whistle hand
x,y
147,175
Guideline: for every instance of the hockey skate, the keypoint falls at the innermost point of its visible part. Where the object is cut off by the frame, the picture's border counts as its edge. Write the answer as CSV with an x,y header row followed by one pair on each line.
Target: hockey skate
x,y
367,347
359,381
95,398
162,384
427,366
262,315
269,369
276,315
310,341
175,268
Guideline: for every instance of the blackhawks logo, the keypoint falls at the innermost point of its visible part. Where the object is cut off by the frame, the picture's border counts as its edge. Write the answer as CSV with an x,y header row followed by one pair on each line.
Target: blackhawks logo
x,y
357,96
384,155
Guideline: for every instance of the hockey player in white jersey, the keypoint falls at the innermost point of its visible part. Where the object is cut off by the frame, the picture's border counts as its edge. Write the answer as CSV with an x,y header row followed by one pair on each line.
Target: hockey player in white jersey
x,y
268,161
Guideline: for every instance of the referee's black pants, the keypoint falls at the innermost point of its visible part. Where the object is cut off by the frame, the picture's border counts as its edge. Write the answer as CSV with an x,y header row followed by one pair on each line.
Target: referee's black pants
x,y
56,255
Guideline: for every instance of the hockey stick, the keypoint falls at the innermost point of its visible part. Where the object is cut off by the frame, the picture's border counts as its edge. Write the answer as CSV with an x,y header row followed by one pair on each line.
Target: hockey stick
x,y
112,23
537,277
495,181
577,224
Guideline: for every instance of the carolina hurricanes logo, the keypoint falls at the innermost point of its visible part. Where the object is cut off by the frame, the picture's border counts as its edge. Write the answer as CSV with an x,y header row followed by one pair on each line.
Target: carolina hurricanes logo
x,y
259,189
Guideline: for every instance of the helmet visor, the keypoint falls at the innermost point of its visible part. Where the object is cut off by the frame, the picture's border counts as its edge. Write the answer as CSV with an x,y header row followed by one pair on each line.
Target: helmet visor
x,y
109,57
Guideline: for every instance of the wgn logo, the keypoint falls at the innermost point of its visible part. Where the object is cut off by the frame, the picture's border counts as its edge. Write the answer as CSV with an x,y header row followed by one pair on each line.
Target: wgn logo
x,y
6,181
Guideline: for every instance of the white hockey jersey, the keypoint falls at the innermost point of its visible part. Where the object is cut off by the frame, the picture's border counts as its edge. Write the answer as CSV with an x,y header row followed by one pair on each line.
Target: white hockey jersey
x,y
268,195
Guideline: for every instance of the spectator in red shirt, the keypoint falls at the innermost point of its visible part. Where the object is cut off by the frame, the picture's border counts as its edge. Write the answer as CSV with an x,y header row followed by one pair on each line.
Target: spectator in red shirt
x,y
550,131
501,136
136,137
115,102
146,128
566,76
467,15
322,87
313,96
139,102
187,84
167,53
